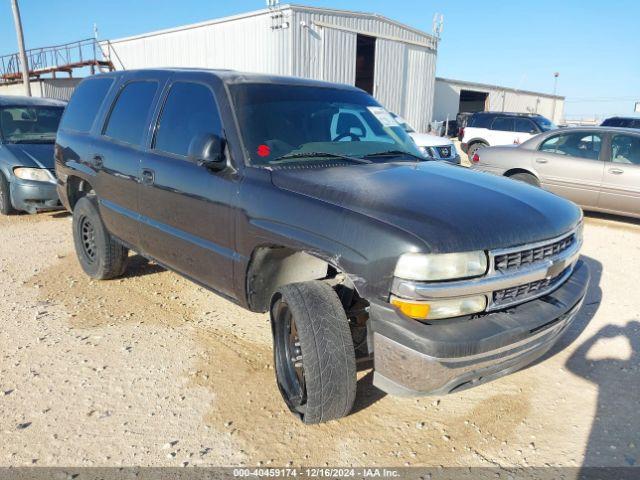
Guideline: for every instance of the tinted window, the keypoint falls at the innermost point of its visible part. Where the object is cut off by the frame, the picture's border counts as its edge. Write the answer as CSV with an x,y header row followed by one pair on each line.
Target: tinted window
x,y
85,103
480,121
625,149
128,118
189,110
525,125
502,123
577,144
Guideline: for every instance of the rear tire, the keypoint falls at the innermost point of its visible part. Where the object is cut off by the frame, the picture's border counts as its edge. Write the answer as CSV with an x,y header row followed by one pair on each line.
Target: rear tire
x,y
526,178
474,148
6,208
100,255
313,352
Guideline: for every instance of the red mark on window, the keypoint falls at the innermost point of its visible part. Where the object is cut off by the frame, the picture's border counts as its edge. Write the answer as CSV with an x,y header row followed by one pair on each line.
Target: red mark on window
x,y
264,150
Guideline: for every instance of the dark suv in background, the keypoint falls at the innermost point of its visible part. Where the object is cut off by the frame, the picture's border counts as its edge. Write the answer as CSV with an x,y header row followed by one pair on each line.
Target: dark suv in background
x,y
623,122
309,201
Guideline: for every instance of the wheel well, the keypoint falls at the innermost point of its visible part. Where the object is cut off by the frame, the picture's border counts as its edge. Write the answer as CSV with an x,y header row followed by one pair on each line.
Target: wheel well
x,y
76,189
513,171
273,266
475,141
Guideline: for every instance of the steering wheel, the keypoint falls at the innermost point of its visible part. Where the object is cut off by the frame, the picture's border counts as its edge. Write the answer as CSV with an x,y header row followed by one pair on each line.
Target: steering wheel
x,y
354,137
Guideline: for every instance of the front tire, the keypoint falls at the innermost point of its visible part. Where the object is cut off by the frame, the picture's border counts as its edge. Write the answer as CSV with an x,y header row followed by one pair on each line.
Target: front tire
x,y
100,255
313,352
6,208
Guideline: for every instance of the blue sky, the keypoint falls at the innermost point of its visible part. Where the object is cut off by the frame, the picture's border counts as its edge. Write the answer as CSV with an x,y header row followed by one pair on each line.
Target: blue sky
x,y
593,44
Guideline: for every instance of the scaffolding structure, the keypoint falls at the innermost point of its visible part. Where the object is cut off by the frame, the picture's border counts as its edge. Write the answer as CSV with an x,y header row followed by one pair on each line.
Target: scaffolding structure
x,y
51,61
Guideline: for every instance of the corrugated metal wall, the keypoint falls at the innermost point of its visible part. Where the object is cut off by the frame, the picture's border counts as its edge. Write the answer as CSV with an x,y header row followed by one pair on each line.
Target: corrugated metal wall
x,y
246,43
324,47
447,100
314,43
58,88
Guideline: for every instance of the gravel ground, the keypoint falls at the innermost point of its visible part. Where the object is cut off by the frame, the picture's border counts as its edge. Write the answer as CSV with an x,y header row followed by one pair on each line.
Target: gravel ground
x,y
153,370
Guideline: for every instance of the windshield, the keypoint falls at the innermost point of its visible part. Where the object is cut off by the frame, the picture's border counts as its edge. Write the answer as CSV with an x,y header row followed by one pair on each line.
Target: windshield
x,y
545,124
299,124
29,124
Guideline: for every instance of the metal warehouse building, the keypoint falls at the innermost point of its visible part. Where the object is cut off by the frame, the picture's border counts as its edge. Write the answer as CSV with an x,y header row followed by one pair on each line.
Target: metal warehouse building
x,y
394,62
454,96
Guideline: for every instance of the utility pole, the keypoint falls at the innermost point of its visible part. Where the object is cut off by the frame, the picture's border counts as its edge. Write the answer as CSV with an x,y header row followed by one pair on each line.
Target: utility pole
x,y
555,92
22,53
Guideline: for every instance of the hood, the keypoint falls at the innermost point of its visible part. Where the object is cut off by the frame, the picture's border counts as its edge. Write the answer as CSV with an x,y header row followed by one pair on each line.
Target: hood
x,y
36,155
450,208
427,140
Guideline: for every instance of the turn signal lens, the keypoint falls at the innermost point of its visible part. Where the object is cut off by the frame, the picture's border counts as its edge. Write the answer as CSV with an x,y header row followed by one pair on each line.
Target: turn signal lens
x,y
438,309
419,311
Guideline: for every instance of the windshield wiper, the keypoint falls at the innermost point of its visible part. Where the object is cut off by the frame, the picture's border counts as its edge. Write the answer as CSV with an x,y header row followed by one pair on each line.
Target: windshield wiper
x,y
294,156
395,153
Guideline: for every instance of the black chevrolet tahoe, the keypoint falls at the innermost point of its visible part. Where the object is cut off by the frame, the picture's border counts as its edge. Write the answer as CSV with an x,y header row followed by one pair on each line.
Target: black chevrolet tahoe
x,y
307,200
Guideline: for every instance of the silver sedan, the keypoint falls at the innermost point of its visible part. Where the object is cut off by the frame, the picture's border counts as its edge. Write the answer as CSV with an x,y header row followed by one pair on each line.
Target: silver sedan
x,y
597,168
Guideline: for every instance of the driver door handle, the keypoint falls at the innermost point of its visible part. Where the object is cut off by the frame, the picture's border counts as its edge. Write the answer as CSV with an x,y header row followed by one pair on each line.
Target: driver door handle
x,y
616,171
148,176
542,160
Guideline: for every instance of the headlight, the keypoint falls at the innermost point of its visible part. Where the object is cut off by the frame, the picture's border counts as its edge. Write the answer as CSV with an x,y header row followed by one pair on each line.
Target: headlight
x,y
441,266
426,151
444,308
35,174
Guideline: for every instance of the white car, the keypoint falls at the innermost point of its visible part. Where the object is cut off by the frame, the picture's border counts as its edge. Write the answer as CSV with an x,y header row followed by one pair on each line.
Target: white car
x,y
439,148
489,129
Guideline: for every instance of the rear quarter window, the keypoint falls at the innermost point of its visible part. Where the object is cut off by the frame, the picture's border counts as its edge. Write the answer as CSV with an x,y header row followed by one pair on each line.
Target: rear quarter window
x,y
85,103
128,118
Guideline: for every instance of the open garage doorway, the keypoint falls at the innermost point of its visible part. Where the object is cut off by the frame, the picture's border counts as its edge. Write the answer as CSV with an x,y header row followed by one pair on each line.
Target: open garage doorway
x,y
365,62
473,101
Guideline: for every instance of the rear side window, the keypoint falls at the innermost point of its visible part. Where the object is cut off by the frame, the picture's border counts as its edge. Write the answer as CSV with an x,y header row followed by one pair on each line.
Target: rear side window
x,y
524,125
503,124
625,149
480,121
128,119
85,103
189,111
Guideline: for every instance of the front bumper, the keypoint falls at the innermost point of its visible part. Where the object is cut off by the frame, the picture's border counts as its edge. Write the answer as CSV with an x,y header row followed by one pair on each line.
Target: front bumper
x,y
32,196
412,358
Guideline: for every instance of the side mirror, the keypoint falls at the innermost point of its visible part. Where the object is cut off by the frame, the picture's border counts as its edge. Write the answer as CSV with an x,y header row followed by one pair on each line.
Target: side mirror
x,y
207,150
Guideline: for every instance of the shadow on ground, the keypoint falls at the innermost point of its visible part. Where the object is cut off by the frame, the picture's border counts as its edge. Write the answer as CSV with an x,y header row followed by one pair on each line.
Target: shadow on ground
x,y
138,266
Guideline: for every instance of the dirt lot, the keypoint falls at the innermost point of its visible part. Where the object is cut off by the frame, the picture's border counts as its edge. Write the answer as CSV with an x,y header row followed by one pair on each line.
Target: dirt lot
x,y
153,370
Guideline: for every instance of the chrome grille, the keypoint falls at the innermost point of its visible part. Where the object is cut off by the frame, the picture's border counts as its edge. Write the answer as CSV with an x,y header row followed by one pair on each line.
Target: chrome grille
x,y
444,152
526,291
513,260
